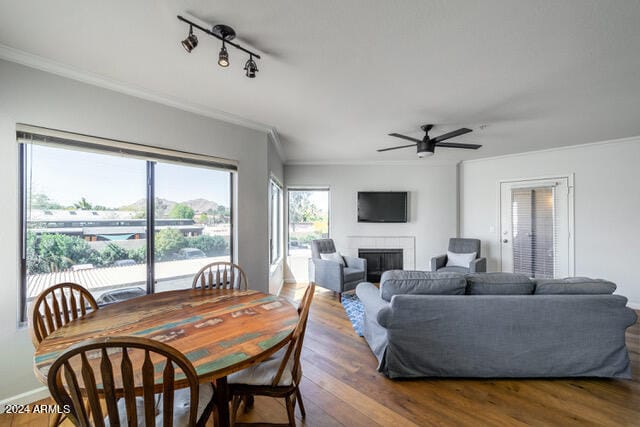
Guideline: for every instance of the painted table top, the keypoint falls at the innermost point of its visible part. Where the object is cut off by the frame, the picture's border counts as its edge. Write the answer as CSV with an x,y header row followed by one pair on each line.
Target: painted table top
x,y
220,331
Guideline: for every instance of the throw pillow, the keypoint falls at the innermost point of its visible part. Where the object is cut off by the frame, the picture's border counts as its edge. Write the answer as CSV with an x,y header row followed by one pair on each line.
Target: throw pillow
x,y
460,260
333,256
499,284
574,286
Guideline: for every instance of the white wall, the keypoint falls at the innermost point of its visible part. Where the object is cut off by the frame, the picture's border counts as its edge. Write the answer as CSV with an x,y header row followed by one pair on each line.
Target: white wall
x,y
607,205
34,97
432,202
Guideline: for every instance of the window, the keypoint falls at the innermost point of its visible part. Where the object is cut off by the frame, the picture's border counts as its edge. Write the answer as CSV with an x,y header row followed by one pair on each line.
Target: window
x,y
120,224
275,221
308,219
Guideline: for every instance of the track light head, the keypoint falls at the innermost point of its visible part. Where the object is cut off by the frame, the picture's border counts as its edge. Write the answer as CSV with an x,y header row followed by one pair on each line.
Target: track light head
x,y
250,68
191,42
223,56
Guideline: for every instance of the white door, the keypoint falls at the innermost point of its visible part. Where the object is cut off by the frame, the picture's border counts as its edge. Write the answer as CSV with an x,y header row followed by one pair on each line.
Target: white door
x,y
535,227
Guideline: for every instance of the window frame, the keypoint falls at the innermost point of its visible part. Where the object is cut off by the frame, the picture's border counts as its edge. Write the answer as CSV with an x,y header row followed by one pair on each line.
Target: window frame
x,y
168,156
279,211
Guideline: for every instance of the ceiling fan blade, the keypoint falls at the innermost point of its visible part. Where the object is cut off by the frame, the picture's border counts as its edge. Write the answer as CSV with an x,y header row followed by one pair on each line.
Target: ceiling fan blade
x,y
456,145
396,148
408,138
453,134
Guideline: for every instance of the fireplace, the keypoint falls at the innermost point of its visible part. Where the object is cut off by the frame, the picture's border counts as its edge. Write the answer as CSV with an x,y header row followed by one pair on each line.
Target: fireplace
x,y
381,260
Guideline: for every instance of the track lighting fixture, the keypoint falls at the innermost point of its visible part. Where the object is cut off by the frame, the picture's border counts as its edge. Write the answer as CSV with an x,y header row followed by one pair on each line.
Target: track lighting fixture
x,y
250,68
191,42
223,56
225,34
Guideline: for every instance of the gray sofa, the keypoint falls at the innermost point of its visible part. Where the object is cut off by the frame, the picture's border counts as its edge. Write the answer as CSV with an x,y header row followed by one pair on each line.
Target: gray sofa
x,y
333,275
425,324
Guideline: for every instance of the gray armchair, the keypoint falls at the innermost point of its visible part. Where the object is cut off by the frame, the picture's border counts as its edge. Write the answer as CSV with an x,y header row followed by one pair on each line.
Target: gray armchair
x,y
461,246
331,274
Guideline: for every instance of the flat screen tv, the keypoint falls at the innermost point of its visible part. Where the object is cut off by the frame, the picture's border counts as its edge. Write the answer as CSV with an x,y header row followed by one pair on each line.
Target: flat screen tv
x,y
382,206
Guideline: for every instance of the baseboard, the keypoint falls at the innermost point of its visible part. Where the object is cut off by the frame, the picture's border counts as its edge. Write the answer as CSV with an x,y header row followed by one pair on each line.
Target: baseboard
x,y
290,281
26,397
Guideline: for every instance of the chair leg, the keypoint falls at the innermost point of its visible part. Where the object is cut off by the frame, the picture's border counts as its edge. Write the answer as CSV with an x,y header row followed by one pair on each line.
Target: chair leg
x,y
290,402
234,408
339,296
248,402
299,399
55,420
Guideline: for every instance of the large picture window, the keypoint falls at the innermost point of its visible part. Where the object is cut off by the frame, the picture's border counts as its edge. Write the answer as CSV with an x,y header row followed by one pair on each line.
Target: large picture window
x,y
120,225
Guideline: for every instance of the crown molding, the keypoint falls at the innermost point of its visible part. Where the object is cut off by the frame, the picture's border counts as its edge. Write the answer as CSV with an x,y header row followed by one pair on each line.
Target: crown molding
x,y
423,162
631,139
50,66
275,138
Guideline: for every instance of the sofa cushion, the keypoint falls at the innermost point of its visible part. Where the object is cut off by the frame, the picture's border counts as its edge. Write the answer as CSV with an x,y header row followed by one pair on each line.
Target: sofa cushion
x,y
574,286
462,270
394,282
499,284
352,274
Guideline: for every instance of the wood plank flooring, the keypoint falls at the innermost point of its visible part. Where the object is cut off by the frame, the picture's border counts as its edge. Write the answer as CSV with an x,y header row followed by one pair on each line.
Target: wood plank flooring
x,y
341,387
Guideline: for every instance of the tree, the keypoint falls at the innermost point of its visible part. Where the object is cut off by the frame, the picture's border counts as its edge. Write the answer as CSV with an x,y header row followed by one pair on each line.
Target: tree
x,y
42,201
210,245
181,211
203,218
82,204
112,253
168,242
302,209
59,252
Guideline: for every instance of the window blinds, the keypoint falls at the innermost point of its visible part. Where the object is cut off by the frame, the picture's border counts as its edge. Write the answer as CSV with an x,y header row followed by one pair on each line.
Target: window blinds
x,y
27,134
535,231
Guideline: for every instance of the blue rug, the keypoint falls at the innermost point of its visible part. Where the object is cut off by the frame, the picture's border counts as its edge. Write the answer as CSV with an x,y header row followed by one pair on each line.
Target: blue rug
x,y
355,311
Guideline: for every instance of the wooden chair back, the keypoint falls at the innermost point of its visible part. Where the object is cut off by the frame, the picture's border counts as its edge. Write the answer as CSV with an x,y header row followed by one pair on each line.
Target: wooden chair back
x,y
86,370
295,345
220,275
58,305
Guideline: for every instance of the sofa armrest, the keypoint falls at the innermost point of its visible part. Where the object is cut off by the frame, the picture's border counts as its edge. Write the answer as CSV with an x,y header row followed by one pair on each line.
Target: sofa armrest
x,y
438,262
478,265
369,295
325,273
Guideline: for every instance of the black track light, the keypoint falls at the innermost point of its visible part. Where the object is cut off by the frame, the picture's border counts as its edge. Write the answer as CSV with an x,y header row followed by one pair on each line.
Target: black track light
x,y
191,42
223,57
251,68
226,35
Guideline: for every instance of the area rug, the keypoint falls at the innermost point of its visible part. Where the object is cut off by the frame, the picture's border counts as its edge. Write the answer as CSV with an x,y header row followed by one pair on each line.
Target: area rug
x,y
355,311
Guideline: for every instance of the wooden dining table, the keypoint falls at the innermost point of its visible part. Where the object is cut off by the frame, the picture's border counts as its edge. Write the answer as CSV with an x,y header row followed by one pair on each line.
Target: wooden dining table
x,y
220,331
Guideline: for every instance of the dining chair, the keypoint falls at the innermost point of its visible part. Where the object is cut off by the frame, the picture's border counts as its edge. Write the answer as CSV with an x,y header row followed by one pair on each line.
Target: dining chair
x,y
58,305
279,376
220,275
119,367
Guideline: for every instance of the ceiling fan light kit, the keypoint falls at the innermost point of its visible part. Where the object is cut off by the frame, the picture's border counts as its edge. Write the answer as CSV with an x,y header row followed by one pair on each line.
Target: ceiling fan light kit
x,y
426,146
225,34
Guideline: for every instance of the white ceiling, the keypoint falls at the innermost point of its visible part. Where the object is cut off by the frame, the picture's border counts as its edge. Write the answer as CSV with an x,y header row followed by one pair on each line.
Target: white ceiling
x,y
337,75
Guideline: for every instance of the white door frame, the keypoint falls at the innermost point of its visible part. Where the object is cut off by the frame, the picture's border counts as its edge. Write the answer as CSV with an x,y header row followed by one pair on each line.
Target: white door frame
x,y
570,211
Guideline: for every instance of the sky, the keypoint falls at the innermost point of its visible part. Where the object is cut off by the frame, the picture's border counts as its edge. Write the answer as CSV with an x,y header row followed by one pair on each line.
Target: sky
x,y
113,181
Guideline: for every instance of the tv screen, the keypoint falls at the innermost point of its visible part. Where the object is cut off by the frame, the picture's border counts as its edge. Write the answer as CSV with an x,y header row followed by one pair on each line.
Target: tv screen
x,y
379,206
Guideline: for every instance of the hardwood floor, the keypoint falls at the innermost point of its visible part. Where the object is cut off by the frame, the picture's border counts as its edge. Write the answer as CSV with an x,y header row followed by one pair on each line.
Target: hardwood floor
x,y
341,387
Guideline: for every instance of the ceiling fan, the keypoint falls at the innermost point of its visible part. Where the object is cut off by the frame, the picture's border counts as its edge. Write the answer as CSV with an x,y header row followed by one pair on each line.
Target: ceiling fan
x,y
426,146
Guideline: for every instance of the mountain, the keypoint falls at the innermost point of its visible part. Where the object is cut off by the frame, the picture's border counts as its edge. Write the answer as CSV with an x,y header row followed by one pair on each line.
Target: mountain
x,y
164,206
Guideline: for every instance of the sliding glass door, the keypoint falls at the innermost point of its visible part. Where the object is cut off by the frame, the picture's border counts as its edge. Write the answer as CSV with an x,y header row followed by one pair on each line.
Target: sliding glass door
x,y
308,220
